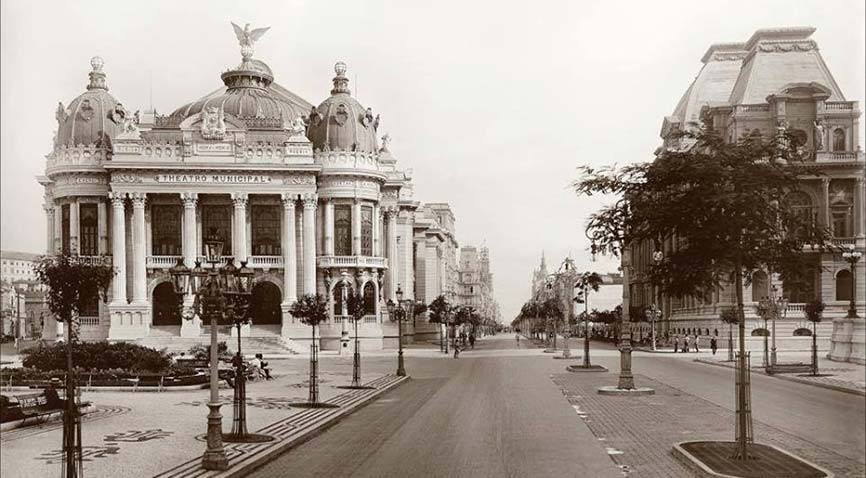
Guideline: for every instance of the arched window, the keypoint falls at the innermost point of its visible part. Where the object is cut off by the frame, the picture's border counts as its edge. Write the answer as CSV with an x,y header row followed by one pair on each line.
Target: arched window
x,y
369,299
839,139
366,231
760,287
843,285
89,244
343,230
841,209
801,206
266,230
166,226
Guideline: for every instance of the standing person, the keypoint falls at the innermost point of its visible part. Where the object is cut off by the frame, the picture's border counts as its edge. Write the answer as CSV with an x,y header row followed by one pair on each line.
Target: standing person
x,y
676,343
713,345
456,349
517,336
696,342
472,341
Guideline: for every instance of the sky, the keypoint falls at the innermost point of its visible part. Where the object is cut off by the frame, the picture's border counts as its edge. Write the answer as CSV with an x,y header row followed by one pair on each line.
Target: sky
x,y
492,104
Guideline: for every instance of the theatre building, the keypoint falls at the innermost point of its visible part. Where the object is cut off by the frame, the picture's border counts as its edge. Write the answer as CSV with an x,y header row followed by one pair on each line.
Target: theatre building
x,y
309,196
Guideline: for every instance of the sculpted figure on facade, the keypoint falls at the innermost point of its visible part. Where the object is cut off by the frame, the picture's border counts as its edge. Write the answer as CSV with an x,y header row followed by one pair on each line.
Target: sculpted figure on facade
x,y
820,130
213,124
118,114
85,110
386,140
297,129
61,113
367,118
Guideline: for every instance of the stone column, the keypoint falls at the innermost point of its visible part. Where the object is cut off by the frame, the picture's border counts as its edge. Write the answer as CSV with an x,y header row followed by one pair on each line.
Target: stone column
x,y
49,223
74,226
391,217
860,214
190,250
329,227
377,231
310,201
139,273
290,262
825,202
58,228
240,230
102,226
118,247
356,228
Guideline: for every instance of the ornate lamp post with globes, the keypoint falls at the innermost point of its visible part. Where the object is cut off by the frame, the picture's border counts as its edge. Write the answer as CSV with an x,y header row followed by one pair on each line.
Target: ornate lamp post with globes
x,y
851,256
219,293
399,312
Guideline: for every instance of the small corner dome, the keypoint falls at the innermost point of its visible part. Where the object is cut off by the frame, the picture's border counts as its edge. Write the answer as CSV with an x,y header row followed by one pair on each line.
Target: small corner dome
x,y
93,118
341,122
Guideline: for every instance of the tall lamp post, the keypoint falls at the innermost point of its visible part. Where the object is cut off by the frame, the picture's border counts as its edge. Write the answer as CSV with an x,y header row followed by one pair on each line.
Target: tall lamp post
x,y
851,256
658,256
399,312
780,309
218,293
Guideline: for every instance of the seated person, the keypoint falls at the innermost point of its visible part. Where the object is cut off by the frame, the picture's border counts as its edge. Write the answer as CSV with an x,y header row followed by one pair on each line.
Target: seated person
x,y
264,367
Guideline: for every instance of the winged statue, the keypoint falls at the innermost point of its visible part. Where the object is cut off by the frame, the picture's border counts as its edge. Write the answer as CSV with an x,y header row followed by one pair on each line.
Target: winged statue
x,y
247,38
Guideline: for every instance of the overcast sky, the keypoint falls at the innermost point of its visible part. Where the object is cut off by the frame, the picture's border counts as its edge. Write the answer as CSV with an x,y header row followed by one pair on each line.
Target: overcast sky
x,y
493,104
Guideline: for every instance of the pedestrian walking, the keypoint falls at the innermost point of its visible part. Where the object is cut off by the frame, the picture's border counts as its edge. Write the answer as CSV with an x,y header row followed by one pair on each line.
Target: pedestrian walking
x,y
472,341
517,336
713,345
696,343
676,343
456,349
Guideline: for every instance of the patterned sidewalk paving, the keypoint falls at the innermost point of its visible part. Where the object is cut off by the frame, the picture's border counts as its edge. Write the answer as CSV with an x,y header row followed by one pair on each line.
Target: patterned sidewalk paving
x,y
639,432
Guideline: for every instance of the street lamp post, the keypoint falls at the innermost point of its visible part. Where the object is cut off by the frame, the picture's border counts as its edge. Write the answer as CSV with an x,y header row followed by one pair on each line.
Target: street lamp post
x,y
780,308
658,256
218,293
852,256
398,312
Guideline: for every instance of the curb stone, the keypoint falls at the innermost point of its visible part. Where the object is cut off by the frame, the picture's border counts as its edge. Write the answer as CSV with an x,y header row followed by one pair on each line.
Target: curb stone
x,y
793,379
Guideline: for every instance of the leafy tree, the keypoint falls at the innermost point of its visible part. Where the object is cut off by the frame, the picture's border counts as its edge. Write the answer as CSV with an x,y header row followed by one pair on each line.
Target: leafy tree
x,y
312,309
724,203
440,311
585,282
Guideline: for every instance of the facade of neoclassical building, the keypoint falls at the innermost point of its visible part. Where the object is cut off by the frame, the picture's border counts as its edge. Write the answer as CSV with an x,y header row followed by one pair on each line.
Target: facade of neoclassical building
x,y
309,196
475,286
778,80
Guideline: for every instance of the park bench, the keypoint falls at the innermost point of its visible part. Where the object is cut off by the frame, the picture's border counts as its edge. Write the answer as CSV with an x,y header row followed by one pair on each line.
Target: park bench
x,y
798,367
31,407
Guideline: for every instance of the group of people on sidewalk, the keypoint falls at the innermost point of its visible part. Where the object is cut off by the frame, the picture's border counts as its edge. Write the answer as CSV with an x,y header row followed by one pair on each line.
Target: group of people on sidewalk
x,y
460,342
689,341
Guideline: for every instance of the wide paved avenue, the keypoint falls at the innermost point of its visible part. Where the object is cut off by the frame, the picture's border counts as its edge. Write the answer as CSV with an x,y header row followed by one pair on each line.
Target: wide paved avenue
x,y
496,412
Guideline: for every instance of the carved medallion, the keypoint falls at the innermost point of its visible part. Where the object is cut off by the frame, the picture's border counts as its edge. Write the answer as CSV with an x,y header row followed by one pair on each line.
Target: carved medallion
x,y
213,125
86,111
341,115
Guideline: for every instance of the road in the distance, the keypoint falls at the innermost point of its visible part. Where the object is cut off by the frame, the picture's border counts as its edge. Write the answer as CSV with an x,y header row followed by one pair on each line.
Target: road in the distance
x,y
494,416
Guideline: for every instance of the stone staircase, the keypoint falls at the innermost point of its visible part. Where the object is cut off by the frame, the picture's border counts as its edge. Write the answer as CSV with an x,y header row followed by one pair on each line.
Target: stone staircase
x,y
275,345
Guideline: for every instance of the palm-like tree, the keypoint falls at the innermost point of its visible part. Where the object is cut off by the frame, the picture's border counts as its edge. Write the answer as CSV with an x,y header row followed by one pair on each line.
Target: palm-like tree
x,y
586,282
440,311
312,309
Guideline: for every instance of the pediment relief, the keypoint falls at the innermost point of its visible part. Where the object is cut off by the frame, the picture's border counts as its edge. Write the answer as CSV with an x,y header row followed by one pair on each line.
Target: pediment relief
x,y
194,122
812,90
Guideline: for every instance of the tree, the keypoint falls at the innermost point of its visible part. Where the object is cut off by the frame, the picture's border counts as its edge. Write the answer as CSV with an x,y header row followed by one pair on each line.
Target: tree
x,y
814,310
355,306
73,284
585,282
551,310
312,309
723,204
440,312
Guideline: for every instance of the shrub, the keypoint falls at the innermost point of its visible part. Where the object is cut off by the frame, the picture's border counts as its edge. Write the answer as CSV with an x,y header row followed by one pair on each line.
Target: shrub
x,y
95,356
202,352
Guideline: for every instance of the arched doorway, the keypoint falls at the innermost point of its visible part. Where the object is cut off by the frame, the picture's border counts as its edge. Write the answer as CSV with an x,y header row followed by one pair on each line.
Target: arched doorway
x,y
265,304
165,311
369,299
760,286
843,285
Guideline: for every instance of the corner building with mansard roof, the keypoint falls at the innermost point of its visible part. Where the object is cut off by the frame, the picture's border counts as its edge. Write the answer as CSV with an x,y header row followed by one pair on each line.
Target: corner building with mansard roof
x,y
774,81
310,197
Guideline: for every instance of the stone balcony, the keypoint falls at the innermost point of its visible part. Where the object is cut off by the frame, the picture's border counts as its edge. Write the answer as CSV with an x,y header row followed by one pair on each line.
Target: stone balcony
x,y
839,157
326,262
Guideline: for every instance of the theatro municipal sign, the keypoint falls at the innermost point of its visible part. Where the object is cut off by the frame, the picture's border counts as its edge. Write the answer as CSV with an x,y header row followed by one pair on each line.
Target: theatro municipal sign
x,y
213,178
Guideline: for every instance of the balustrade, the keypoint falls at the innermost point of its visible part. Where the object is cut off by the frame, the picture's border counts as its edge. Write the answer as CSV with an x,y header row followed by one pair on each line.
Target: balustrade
x,y
840,105
351,261
88,321
265,261
161,262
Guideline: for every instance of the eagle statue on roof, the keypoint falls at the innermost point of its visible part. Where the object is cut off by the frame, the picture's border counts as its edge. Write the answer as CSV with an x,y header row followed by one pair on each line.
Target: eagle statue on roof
x,y
247,38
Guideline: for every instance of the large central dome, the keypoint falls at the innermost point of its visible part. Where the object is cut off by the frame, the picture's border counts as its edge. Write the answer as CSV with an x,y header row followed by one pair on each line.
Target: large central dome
x,y
340,122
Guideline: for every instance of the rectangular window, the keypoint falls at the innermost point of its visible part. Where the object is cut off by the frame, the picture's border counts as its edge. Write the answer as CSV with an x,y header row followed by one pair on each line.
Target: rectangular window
x,y
166,224
217,219
841,218
64,229
266,230
366,231
343,230
88,231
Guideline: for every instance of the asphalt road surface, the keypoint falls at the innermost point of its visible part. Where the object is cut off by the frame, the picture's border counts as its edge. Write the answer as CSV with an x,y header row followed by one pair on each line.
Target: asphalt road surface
x,y
495,412
491,416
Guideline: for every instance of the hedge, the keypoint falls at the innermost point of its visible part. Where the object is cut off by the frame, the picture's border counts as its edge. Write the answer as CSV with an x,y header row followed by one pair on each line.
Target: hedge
x,y
97,356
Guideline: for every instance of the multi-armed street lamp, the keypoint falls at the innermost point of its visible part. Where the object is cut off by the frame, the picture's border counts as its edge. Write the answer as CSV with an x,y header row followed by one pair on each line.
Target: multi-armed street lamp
x,y
851,256
399,312
655,311
220,294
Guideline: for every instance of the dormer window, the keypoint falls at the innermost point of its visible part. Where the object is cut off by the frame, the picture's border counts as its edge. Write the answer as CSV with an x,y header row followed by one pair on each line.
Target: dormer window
x,y
839,139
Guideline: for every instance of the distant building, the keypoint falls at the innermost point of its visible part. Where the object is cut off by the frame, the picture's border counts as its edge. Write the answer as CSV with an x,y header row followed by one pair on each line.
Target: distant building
x,y
17,266
476,282
21,293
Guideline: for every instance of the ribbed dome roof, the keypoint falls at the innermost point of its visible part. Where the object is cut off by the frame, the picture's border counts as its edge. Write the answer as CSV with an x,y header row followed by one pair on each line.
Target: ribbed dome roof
x,y
95,117
247,95
341,122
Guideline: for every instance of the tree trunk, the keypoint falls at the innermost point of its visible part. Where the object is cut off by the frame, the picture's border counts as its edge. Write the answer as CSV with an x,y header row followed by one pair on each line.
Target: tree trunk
x,y
744,425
